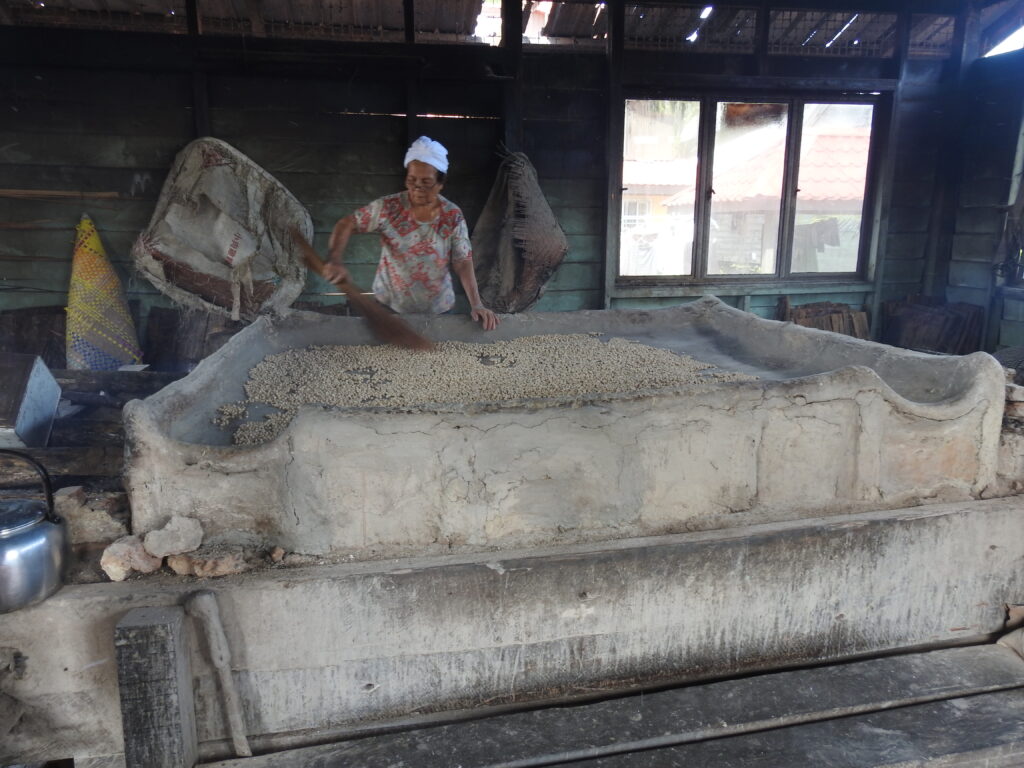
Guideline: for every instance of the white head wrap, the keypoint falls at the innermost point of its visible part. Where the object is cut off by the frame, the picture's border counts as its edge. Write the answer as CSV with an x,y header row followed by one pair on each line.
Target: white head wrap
x,y
426,150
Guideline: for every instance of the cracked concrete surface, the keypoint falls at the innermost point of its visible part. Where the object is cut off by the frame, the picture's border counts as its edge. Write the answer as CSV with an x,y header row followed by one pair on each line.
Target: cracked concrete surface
x,y
461,631
833,425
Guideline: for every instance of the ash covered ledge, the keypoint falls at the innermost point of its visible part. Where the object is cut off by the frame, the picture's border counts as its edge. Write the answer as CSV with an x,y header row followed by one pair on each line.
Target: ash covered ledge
x,y
830,425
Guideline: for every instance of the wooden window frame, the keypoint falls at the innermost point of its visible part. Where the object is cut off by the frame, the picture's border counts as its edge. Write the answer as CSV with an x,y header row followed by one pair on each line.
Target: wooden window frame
x,y
699,281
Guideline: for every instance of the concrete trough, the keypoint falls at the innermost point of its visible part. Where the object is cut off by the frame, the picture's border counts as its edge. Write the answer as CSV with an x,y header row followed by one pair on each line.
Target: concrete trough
x,y
831,425
320,652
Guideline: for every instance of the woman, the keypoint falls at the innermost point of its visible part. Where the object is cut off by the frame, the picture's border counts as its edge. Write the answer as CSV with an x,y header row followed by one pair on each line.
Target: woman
x,y
424,239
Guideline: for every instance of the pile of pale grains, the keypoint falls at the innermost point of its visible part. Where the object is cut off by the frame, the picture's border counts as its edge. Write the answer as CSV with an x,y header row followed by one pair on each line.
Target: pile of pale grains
x,y
547,366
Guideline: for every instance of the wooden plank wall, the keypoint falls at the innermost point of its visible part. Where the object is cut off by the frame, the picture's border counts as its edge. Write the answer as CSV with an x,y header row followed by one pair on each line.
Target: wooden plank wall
x,y
922,124
335,143
1011,323
565,123
338,145
990,159
989,151
82,131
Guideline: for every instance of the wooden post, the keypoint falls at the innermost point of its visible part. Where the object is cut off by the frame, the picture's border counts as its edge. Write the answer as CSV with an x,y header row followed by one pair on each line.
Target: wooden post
x,y
512,42
409,18
200,104
193,18
949,173
615,48
156,689
881,178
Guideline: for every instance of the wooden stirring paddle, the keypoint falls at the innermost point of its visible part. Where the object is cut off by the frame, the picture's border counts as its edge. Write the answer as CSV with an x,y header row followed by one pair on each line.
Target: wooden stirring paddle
x,y
384,324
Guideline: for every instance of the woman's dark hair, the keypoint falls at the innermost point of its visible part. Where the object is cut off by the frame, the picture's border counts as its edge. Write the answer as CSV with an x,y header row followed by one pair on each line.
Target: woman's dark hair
x,y
441,176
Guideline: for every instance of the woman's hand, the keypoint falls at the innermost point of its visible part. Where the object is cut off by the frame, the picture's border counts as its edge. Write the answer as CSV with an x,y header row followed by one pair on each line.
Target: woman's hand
x,y
336,273
485,317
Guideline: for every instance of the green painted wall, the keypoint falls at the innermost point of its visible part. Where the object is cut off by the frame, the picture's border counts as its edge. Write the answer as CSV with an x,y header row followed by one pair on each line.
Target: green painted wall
x,y
334,144
338,142
1011,324
564,128
991,147
83,132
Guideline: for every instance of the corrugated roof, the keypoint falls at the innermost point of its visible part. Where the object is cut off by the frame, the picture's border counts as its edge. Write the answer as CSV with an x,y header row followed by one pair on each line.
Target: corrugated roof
x,y
380,20
680,27
648,25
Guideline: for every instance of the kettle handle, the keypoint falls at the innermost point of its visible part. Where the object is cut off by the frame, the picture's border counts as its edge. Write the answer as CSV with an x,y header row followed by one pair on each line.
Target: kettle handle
x,y
51,514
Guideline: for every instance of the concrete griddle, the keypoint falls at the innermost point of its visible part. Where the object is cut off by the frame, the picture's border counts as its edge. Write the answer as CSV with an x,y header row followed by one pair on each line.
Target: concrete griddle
x,y
831,425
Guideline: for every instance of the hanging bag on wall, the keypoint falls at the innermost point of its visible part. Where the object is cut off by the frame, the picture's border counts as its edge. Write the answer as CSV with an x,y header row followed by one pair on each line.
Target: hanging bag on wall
x,y
219,236
517,242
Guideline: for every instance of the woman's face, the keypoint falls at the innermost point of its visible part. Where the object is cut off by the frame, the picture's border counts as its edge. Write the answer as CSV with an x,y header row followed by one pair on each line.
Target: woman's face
x,y
421,181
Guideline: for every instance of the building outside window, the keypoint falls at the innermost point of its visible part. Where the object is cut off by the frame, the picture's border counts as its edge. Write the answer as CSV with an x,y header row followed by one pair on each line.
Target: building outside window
x,y
718,190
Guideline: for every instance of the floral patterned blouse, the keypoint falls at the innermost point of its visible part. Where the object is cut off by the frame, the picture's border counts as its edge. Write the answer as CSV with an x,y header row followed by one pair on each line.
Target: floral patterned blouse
x,y
414,274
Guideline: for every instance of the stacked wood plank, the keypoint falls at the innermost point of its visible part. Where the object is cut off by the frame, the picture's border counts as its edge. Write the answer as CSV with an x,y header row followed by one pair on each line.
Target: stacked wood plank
x,y
36,331
86,446
930,325
826,316
177,339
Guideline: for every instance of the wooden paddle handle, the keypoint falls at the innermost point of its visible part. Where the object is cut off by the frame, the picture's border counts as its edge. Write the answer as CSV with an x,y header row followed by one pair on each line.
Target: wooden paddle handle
x,y
314,262
309,256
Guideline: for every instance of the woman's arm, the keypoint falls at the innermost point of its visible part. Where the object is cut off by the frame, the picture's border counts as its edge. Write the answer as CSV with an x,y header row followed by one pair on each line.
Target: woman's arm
x,y
464,269
335,270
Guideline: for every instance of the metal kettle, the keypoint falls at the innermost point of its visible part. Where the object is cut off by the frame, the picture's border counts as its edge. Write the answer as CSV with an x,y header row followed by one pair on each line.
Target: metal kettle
x,y
34,545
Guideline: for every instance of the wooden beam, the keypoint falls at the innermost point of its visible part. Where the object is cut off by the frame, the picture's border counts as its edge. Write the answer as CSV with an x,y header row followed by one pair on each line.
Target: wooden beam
x,y
88,49
998,29
874,6
762,37
409,17
80,432
412,105
193,18
200,104
512,29
96,461
512,43
613,149
942,218
155,683
116,383
254,10
527,11
882,174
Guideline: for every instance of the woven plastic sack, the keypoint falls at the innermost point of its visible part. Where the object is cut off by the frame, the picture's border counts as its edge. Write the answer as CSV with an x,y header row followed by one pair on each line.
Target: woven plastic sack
x,y
517,242
219,237
100,333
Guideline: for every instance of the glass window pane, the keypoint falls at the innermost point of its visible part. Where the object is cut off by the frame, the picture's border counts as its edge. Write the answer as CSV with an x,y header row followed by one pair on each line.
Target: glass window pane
x,y
830,197
747,171
659,172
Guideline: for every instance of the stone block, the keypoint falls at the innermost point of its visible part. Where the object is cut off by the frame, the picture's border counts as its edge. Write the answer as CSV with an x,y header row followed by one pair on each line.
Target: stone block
x,y
126,555
91,521
181,534
1014,410
93,526
210,562
68,498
